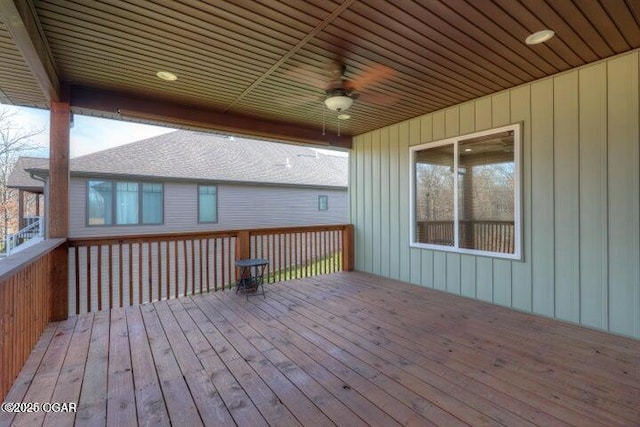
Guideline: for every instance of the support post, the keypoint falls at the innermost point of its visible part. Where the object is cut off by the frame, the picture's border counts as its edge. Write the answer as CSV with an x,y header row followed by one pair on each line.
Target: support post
x,y
347,248
243,248
20,209
58,206
243,245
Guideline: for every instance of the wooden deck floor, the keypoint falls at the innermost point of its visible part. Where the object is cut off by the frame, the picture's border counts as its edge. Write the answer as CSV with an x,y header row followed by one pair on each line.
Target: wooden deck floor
x,y
345,349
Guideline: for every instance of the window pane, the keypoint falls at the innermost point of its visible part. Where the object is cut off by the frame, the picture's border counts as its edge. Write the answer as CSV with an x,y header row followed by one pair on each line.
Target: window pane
x,y
207,203
486,193
152,203
434,195
323,203
100,203
126,203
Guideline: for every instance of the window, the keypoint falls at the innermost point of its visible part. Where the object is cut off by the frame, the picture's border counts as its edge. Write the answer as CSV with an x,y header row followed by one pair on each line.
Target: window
x,y
124,203
152,203
100,201
465,194
207,203
323,203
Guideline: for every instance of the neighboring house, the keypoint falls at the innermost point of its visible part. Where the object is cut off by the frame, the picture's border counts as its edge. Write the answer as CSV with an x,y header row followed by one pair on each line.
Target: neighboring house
x,y
30,190
192,181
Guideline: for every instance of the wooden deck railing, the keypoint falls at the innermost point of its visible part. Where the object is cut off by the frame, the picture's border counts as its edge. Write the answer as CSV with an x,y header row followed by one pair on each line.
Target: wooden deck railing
x,y
126,270
28,288
490,236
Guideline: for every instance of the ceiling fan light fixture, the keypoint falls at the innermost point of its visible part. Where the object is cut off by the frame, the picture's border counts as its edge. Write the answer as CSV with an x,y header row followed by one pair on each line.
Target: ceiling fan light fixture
x,y
167,76
539,37
338,102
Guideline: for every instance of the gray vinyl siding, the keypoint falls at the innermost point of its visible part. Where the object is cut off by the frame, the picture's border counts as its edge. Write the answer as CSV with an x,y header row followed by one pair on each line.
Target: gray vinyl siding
x,y
580,189
239,206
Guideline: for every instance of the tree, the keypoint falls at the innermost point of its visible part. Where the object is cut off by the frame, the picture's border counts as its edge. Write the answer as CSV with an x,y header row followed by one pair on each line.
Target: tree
x,y
15,141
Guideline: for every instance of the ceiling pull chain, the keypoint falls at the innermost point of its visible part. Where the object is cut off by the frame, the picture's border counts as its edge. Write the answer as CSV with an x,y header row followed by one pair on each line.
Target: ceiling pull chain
x,y
323,127
338,127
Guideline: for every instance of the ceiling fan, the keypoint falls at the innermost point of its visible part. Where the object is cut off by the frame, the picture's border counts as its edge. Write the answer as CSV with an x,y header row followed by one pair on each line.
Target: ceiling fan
x,y
342,91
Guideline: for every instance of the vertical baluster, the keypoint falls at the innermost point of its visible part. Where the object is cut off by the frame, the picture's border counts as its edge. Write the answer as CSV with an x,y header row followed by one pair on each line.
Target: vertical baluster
x,y
110,273
176,270
206,242
120,276
149,272
296,260
76,251
230,261
279,257
222,261
306,254
186,264
324,251
198,249
159,261
272,256
287,256
140,269
215,264
130,274
168,267
89,279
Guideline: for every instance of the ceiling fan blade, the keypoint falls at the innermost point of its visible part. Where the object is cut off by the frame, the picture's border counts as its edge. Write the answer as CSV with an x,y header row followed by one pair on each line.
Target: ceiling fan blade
x,y
375,74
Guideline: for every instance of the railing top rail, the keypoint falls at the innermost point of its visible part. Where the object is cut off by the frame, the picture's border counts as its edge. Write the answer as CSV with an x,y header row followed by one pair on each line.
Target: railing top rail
x,y
145,238
35,224
13,264
298,229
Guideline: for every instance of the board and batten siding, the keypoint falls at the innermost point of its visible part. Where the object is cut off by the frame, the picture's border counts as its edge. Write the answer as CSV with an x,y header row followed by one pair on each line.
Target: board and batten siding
x,y
580,188
239,207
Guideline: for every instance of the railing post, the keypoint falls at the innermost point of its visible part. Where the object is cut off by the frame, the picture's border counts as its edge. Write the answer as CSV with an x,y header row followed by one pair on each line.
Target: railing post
x,y
243,248
59,308
243,245
347,248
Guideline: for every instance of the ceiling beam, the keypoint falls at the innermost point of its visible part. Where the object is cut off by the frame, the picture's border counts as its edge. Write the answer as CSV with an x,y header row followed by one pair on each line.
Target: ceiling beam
x,y
20,19
119,105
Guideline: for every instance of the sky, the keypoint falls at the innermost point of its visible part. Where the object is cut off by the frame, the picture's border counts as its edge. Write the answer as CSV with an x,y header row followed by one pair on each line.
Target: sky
x,y
90,134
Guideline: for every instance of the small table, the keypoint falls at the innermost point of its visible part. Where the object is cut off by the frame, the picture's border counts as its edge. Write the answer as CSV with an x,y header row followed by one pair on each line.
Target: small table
x,y
250,280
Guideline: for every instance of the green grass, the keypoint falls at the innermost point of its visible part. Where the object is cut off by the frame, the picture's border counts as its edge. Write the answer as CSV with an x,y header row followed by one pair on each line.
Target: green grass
x,y
320,266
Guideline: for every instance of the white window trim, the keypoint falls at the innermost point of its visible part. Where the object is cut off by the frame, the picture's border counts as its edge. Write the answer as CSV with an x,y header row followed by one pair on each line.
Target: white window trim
x,y
518,229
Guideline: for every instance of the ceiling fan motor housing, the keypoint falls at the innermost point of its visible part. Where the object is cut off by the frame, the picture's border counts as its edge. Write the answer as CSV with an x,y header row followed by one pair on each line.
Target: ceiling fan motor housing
x,y
338,99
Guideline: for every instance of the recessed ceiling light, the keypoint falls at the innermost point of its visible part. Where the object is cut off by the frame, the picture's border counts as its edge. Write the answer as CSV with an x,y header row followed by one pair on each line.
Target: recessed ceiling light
x,y
468,149
166,75
539,37
344,116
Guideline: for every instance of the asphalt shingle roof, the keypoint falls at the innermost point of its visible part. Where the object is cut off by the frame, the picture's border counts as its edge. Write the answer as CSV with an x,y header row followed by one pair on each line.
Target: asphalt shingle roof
x,y
196,156
20,178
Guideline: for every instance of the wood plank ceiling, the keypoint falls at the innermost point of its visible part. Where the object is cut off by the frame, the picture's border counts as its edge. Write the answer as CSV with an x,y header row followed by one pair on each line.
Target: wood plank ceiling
x,y
272,60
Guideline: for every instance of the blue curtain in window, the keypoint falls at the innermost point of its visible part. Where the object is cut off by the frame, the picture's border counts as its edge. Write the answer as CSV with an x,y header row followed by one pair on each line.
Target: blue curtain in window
x,y
152,203
126,202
